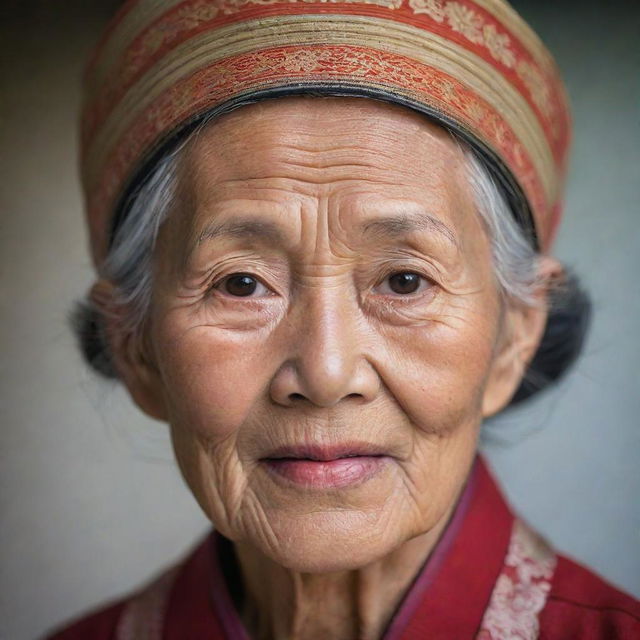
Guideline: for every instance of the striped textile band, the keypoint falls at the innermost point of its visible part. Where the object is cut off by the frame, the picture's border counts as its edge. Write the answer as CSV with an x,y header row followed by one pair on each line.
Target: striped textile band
x,y
472,65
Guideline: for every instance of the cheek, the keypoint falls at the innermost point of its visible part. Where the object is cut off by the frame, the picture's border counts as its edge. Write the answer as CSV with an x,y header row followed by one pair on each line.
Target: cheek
x,y
437,374
212,379
438,371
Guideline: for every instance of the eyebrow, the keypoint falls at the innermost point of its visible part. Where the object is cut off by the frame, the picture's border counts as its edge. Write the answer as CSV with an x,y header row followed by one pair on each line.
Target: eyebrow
x,y
407,223
264,230
241,228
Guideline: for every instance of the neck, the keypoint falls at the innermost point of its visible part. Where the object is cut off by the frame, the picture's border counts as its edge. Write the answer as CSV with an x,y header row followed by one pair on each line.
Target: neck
x,y
282,603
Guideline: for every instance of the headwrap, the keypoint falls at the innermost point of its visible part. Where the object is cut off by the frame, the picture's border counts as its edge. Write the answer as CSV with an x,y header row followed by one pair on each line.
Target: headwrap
x,y
472,65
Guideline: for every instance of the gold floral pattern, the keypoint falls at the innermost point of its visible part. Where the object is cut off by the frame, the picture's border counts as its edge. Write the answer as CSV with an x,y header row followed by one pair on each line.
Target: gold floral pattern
x,y
194,15
433,8
461,18
498,44
300,61
472,25
536,84
465,21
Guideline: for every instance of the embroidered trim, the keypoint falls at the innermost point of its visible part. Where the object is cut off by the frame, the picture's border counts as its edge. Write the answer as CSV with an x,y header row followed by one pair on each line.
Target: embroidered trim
x,y
216,47
180,24
521,590
143,616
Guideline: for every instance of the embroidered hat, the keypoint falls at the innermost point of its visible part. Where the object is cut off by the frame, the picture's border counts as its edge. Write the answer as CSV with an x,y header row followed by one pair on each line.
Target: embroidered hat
x,y
472,65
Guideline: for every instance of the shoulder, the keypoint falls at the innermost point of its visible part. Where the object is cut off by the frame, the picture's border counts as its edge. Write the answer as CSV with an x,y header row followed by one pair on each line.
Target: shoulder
x,y
141,614
581,604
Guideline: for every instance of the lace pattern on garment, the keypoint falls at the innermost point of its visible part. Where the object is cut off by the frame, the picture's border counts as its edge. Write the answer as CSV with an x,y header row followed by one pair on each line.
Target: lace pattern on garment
x,y
521,590
143,616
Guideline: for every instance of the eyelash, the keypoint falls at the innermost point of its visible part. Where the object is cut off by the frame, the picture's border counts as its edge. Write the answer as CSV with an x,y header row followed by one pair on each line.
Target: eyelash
x,y
218,284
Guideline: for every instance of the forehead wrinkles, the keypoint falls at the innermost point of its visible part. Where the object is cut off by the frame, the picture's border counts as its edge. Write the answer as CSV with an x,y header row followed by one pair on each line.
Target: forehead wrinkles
x,y
315,137
379,153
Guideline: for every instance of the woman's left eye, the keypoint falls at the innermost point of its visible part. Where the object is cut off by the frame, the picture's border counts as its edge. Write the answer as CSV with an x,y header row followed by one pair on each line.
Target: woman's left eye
x,y
404,283
241,285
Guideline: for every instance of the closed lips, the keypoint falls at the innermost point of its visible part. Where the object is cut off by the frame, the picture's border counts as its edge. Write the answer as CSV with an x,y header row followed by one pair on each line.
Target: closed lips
x,y
326,468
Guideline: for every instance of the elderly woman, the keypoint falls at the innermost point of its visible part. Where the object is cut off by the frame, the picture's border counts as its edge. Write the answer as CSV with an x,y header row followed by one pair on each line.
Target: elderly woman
x,y
322,235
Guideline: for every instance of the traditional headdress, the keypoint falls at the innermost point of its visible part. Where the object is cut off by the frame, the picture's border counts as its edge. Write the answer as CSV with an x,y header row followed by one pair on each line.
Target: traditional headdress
x,y
472,65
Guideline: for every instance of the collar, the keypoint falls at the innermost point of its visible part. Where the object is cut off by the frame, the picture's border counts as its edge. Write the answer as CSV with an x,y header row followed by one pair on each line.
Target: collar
x,y
450,595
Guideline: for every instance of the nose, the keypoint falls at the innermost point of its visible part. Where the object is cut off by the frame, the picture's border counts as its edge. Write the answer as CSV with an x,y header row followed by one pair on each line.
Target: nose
x,y
326,362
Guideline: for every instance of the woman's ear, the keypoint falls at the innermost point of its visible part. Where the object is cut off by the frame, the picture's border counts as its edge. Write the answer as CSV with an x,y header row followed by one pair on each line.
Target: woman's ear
x,y
131,352
522,330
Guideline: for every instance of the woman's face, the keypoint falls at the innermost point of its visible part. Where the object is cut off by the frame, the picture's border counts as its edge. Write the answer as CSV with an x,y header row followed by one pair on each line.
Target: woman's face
x,y
326,329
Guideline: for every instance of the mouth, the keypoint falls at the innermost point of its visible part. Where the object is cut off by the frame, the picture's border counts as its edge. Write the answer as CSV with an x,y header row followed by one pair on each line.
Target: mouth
x,y
322,467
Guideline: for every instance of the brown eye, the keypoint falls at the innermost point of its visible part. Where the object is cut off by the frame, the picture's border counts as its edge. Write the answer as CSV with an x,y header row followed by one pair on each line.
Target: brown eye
x,y
240,284
404,282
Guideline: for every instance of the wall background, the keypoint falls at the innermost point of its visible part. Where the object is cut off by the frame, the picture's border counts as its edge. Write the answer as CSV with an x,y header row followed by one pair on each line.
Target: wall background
x,y
91,501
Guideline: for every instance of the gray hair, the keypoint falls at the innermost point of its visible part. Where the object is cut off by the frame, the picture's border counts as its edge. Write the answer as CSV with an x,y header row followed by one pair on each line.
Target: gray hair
x,y
128,265
129,262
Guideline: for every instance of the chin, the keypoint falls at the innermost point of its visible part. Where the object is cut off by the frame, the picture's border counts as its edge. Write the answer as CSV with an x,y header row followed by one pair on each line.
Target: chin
x,y
324,542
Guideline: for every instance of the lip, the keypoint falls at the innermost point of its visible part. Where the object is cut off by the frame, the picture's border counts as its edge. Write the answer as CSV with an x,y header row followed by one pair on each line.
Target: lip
x,y
327,452
326,467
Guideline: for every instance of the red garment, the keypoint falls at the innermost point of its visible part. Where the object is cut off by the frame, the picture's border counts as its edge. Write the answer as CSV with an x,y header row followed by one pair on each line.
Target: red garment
x,y
490,577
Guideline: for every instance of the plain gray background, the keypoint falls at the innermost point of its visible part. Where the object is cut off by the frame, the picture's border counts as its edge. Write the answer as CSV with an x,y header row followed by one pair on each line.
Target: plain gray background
x,y
91,501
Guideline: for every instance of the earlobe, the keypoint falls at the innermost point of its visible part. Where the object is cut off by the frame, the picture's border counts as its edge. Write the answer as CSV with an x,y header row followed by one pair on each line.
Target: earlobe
x,y
130,353
524,327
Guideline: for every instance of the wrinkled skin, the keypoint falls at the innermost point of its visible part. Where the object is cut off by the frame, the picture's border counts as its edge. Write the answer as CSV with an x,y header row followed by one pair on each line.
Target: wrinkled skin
x,y
325,350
